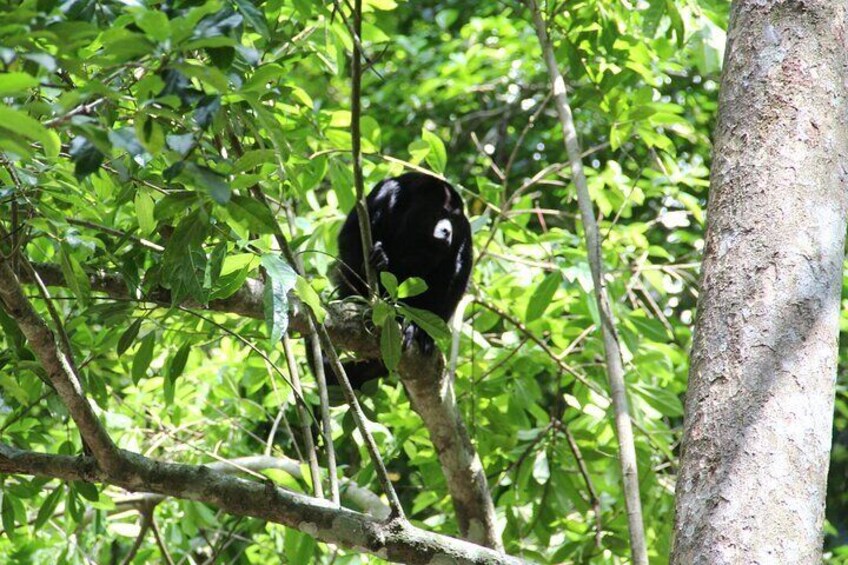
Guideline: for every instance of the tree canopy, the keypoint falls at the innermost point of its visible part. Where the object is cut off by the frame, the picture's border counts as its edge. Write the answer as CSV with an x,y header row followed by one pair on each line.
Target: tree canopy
x,y
134,140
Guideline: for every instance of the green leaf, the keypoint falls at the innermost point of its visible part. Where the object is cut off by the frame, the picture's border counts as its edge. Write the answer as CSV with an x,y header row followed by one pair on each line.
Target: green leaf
x,y
390,283
144,207
129,335
298,547
664,401
182,144
8,514
75,277
276,309
541,468
427,321
437,157
390,343
143,357
309,297
342,180
229,284
87,490
207,179
85,156
252,159
418,151
676,22
20,123
381,311
412,286
184,261
125,138
12,83
275,300
648,328
208,75
154,23
542,295
279,269
175,371
254,17
48,507
254,215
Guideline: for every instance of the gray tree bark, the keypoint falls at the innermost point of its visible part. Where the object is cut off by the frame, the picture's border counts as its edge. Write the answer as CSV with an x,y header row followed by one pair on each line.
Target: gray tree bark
x,y
759,409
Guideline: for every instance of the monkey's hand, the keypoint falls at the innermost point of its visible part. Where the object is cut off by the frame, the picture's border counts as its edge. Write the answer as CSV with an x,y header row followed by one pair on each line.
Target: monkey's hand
x,y
378,257
412,333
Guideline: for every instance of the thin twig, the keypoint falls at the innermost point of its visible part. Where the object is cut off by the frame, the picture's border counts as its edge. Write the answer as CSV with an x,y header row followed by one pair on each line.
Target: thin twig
x,y
612,349
356,150
305,427
146,521
590,486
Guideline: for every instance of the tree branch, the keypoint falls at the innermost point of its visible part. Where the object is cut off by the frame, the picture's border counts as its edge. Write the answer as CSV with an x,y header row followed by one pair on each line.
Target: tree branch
x,y
612,349
59,370
395,540
431,394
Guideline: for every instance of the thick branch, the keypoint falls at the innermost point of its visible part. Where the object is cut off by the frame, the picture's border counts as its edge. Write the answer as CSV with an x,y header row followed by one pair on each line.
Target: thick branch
x,y
431,395
612,350
395,541
435,402
58,368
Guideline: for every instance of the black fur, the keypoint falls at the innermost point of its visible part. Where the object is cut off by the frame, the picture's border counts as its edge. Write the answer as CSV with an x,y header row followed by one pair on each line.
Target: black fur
x,y
419,230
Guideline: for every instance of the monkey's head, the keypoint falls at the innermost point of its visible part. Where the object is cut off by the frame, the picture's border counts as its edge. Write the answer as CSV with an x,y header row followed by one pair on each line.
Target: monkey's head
x,y
430,209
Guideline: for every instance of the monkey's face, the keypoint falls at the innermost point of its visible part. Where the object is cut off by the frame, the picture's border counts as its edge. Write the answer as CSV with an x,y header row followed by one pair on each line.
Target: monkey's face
x,y
431,220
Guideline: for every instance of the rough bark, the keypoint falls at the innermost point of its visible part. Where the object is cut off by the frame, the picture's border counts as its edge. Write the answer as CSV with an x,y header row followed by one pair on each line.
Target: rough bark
x,y
434,400
759,408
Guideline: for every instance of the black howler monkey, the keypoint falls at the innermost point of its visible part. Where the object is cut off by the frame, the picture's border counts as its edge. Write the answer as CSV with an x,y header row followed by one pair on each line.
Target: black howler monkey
x,y
419,230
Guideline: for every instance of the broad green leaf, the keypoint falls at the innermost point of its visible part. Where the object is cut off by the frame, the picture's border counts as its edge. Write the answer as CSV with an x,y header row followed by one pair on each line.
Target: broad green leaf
x,y
13,83
381,311
75,276
390,283
143,357
129,335
144,207
154,23
542,296
427,321
184,262
175,371
437,157
7,511
279,269
418,151
276,309
664,401
309,297
390,343
210,181
253,16
87,490
20,123
252,159
275,300
412,286
51,501
254,215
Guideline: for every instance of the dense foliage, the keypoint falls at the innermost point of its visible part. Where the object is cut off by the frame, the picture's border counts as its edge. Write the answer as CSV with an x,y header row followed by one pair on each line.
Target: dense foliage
x,y
131,136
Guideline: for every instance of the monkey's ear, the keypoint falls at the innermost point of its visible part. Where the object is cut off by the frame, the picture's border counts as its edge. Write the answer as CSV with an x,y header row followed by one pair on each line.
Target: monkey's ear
x,y
383,199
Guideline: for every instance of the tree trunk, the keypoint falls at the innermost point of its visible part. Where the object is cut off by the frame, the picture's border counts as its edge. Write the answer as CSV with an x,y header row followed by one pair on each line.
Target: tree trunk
x,y
760,403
